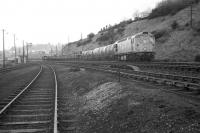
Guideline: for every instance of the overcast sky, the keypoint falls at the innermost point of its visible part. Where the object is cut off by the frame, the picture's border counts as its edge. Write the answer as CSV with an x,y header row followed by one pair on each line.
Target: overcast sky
x,y
43,21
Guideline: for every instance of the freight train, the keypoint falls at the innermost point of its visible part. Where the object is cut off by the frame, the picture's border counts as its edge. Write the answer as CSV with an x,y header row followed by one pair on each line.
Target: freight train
x,y
138,47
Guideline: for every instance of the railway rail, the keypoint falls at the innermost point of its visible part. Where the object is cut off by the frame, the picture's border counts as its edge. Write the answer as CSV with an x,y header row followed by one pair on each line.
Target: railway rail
x,y
192,83
188,84
34,108
195,80
192,67
128,62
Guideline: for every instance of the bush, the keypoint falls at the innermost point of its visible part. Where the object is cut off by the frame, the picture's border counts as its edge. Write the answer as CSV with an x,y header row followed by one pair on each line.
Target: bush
x,y
197,58
197,27
120,30
174,25
121,25
170,7
158,34
105,37
187,24
90,36
83,42
111,35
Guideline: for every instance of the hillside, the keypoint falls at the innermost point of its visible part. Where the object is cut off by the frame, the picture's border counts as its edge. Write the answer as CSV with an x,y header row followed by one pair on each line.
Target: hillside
x,y
175,39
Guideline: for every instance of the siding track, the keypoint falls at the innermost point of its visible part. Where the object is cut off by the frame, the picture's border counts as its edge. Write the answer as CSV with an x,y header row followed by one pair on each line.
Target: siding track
x,y
186,86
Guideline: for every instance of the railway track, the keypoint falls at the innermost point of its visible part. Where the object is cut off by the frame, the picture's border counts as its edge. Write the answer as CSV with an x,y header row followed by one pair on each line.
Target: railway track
x,y
189,79
192,67
33,109
188,86
187,82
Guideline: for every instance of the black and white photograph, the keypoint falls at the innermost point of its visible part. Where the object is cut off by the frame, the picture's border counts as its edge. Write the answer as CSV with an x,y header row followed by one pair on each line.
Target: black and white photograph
x,y
99,66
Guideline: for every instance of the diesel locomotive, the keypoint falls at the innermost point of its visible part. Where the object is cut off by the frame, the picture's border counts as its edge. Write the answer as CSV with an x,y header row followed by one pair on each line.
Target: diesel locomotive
x,y
138,47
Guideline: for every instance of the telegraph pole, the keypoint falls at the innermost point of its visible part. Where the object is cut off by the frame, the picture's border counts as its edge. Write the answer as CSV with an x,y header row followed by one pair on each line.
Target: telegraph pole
x,y
15,48
27,50
23,52
56,51
51,51
3,51
119,74
62,50
191,15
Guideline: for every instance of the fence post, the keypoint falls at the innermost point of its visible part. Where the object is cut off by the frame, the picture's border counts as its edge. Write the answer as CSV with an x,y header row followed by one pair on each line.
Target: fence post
x,y
119,74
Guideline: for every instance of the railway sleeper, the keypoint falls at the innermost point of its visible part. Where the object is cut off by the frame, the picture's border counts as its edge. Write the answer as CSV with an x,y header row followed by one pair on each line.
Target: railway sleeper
x,y
150,79
176,77
32,111
34,102
188,86
70,129
169,82
194,87
169,76
157,80
25,118
24,125
31,130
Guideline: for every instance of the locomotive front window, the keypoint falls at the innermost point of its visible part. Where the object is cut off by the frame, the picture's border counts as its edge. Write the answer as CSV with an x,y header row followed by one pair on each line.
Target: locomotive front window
x,y
132,41
115,47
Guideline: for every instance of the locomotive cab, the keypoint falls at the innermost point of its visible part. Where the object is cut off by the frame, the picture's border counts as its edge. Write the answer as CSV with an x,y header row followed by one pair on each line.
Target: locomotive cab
x,y
144,42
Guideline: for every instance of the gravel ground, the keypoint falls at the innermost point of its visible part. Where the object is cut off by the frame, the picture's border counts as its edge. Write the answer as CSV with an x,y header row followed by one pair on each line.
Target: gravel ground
x,y
15,79
101,104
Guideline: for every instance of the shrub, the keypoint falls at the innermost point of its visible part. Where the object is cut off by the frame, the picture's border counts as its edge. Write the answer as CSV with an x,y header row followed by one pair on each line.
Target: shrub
x,y
83,42
105,37
197,27
90,36
111,35
187,24
174,25
198,30
122,24
170,7
120,30
197,58
158,34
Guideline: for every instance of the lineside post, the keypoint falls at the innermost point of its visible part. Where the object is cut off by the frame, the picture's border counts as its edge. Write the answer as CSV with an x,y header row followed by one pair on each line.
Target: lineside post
x,y
119,74
23,54
15,49
3,51
191,15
